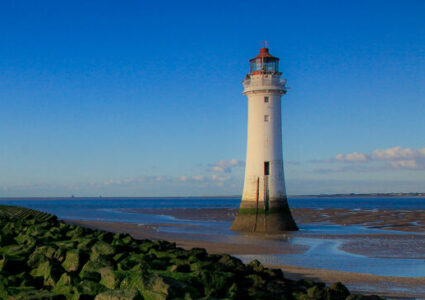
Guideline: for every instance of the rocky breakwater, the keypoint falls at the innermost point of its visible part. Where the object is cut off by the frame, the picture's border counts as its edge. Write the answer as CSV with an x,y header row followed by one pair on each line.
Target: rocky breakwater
x,y
44,258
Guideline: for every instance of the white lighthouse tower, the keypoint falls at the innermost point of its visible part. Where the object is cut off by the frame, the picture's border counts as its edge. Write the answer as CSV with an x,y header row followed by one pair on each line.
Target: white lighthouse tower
x,y
264,206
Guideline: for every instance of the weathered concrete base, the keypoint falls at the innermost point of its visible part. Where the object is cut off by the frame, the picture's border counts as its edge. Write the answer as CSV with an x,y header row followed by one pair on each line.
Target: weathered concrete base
x,y
253,217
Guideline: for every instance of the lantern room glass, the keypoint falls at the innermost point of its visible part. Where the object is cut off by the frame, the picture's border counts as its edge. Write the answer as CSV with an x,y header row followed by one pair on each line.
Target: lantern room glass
x,y
265,65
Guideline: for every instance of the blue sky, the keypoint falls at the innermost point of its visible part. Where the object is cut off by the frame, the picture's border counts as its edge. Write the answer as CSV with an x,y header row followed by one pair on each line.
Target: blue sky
x,y
143,98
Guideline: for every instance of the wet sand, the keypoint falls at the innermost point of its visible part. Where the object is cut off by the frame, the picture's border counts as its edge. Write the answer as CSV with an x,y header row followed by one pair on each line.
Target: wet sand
x,y
152,232
399,220
388,286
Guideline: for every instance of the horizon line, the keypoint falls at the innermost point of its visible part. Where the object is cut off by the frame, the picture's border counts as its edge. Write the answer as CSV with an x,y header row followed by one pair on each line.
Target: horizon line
x,y
411,194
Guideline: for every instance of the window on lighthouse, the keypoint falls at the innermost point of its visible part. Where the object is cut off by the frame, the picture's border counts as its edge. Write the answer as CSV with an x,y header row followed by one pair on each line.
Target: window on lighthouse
x,y
266,168
266,118
266,99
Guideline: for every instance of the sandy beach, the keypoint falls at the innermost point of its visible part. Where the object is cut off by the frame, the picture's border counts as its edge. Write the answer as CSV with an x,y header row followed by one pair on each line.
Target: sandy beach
x,y
397,235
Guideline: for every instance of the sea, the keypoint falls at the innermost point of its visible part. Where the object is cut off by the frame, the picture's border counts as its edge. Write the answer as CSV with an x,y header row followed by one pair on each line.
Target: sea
x,y
113,209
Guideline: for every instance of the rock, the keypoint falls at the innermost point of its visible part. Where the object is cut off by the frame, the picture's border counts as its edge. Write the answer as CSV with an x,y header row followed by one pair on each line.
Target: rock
x,y
85,243
64,285
183,268
6,239
102,259
74,260
198,253
158,287
254,293
279,289
90,271
215,284
105,236
202,266
120,256
13,264
146,245
103,248
231,263
255,280
26,293
233,292
49,272
153,286
337,291
27,280
15,249
52,252
92,276
304,284
128,262
91,288
256,266
133,281
275,274
317,293
35,259
127,239
165,245
131,294
159,264
3,290
66,245
108,278
22,238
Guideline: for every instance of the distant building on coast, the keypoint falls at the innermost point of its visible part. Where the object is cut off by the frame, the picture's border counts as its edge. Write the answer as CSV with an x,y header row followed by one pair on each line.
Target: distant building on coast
x,y
264,206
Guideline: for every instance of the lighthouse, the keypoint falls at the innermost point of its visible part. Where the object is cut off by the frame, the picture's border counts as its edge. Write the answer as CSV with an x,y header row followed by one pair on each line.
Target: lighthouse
x,y
264,206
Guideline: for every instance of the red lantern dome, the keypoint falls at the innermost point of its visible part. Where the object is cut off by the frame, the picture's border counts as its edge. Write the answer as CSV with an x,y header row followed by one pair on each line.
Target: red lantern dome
x,y
264,63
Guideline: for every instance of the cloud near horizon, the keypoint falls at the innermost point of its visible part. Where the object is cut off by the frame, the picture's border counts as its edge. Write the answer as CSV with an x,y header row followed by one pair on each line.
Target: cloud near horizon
x,y
215,178
395,158
226,166
208,179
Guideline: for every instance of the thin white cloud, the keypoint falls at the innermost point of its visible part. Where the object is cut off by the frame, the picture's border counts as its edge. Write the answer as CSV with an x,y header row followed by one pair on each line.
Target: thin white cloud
x,y
390,158
213,179
398,153
353,157
226,166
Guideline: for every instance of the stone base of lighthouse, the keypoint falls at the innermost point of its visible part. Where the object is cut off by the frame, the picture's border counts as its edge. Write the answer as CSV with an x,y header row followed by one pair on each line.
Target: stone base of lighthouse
x,y
255,216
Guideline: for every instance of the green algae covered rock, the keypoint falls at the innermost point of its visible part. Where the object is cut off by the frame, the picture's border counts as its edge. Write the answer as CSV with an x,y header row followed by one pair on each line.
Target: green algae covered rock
x,y
256,266
109,278
153,286
44,258
338,291
12,264
89,288
74,260
29,293
103,248
132,294
317,293
65,285
49,272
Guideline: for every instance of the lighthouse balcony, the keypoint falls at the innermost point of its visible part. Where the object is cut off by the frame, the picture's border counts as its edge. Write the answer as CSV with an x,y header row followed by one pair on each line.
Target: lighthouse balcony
x,y
255,83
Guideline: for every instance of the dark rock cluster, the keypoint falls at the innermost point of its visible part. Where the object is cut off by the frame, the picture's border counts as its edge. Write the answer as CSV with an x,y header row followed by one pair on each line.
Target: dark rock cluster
x,y
44,258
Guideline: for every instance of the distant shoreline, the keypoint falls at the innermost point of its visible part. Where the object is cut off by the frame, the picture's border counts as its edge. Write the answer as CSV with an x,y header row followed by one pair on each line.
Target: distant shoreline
x,y
350,195
366,195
